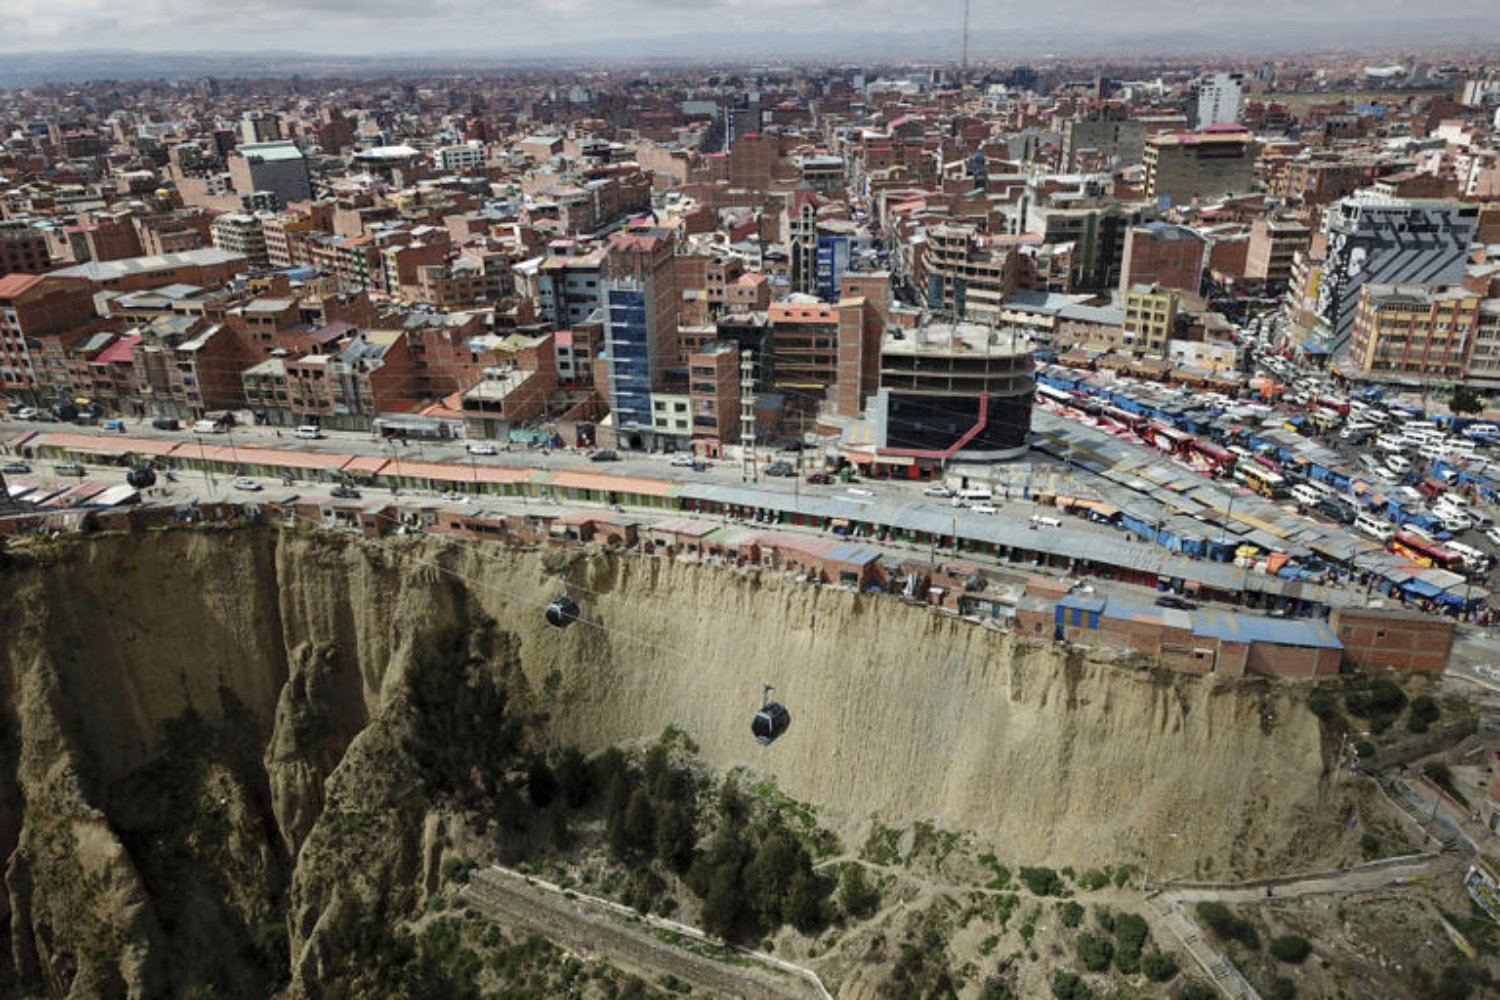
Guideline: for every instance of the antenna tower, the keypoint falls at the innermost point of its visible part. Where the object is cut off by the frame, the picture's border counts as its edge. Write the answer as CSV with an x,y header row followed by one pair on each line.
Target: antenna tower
x,y
963,69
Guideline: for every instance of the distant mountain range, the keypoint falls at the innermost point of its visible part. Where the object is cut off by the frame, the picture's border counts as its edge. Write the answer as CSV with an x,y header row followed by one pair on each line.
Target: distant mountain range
x,y
1022,44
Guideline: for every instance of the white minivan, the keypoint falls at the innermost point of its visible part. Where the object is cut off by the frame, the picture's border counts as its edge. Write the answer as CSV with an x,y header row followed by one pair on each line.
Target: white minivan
x,y
973,495
207,427
1399,464
1305,495
309,432
1376,527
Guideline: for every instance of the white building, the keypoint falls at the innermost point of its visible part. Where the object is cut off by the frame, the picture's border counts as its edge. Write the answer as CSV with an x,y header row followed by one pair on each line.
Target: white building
x,y
241,233
468,156
1219,99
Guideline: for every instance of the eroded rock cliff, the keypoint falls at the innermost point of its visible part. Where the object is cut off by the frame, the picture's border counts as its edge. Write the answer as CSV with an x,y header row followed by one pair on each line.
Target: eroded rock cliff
x,y
226,756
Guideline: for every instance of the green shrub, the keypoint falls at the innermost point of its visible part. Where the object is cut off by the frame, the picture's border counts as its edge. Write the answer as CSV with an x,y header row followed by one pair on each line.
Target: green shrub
x,y
1070,913
1093,879
1197,991
1321,704
1159,967
1131,932
1424,712
1042,882
1369,846
1291,948
1365,749
1094,953
1281,988
1228,925
1384,697
1069,986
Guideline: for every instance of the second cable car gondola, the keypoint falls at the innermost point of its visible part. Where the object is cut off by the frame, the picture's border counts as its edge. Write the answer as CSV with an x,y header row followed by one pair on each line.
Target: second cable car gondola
x,y
771,721
562,612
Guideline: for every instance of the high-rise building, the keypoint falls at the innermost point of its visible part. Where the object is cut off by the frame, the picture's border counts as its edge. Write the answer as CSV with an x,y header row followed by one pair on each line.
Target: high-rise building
x,y
23,249
277,168
32,306
1150,317
1219,99
1274,243
1420,331
801,228
1382,241
714,391
1185,166
242,233
965,274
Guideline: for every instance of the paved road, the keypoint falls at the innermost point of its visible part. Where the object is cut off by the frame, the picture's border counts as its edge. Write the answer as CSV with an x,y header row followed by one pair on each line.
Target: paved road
x,y
597,927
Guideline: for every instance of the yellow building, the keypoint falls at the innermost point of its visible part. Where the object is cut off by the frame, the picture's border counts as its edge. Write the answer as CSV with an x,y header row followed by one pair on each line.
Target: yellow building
x,y
1150,315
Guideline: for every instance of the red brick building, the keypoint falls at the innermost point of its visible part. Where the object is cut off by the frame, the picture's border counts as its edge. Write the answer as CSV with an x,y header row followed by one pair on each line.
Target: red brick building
x,y
1402,640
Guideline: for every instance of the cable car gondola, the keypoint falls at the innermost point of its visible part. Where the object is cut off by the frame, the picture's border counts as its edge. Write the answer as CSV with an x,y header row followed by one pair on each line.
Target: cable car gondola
x,y
562,612
771,721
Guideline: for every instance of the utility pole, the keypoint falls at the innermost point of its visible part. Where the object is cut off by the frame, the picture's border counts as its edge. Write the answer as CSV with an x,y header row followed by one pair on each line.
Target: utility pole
x,y
748,470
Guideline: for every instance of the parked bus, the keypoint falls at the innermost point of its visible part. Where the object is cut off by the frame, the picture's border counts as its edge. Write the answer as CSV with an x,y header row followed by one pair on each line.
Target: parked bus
x,y
1260,479
1218,461
1426,552
1166,439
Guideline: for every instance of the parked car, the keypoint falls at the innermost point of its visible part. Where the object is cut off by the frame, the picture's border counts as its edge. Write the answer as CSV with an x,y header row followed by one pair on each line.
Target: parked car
x,y
344,493
453,496
244,483
1493,534
26,413
480,448
937,490
779,468
682,460
858,492
69,469
1175,603
604,455
984,508
166,424
14,468
820,479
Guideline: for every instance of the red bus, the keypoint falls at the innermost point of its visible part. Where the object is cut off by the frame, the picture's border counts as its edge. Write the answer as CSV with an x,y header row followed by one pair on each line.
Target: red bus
x,y
1115,415
1218,460
1425,552
1167,439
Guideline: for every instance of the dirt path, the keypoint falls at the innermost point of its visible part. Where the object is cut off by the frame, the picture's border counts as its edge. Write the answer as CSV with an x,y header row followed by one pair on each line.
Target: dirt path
x,y
598,928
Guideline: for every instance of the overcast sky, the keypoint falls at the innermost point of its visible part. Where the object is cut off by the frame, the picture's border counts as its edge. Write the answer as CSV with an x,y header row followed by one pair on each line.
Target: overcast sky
x,y
379,26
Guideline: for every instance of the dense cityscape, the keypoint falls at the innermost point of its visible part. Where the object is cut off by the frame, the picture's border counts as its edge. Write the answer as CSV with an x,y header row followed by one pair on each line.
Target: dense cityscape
x,y
1149,407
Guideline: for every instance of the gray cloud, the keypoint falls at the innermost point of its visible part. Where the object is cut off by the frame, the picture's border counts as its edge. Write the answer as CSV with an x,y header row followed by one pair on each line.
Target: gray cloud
x,y
362,26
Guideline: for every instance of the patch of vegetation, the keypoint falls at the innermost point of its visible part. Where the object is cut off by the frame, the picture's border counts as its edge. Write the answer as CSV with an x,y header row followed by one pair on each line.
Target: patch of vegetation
x,y
1290,948
1041,881
1131,934
1070,986
1094,953
1423,713
1323,705
882,846
857,896
1093,879
921,966
1000,873
456,870
672,736
1438,773
1196,990
1227,925
1070,914
1159,967
1279,988
1124,874
1383,700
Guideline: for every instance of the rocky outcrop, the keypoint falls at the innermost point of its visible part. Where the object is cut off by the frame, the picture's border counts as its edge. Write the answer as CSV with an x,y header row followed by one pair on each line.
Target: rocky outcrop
x,y
222,752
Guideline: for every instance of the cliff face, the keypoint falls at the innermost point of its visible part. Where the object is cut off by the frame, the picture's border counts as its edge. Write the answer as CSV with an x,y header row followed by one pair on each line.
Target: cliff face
x,y
210,739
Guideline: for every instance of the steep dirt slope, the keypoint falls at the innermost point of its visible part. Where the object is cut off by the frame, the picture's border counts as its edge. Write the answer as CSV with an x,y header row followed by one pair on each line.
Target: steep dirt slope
x,y
211,738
